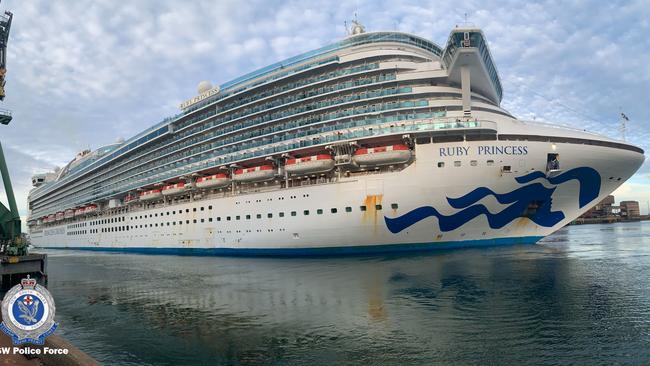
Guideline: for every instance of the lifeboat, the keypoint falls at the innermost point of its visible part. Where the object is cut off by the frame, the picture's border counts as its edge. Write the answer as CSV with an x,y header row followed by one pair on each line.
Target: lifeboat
x,y
130,199
69,213
382,155
150,195
173,189
90,209
311,164
60,216
213,181
79,212
255,174
51,218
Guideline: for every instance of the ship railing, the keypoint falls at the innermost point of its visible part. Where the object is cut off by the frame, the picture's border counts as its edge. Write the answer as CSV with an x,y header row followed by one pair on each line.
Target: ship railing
x,y
431,125
558,126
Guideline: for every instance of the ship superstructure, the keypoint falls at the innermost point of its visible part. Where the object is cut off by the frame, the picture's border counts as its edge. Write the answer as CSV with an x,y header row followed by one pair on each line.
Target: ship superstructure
x,y
380,141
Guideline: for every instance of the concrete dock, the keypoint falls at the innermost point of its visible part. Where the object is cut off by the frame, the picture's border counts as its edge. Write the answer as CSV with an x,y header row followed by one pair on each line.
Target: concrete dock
x,y
75,356
15,268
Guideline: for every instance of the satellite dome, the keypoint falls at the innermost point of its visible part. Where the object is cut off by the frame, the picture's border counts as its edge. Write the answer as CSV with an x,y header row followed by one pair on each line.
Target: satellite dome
x,y
120,140
204,86
357,28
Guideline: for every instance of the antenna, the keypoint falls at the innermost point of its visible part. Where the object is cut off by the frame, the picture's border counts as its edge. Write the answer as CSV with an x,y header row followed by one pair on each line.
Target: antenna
x,y
624,120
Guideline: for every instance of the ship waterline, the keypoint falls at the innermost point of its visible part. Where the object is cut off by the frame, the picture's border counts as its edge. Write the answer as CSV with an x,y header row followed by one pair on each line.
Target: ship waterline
x,y
383,141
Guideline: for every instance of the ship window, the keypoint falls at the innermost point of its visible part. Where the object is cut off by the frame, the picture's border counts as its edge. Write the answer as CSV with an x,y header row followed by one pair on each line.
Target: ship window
x,y
210,207
362,208
203,220
156,214
180,222
306,212
167,213
423,140
194,221
194,209
348,209
202,208
156,224
333,210
218,218
259,216
168,224
187,221
393,206
174,223
209,219
281,214
269,215
187,210
174,212
293,213
490,162
457,163
377,207
248,217
227,218
441,164
473,163
319,211
237,217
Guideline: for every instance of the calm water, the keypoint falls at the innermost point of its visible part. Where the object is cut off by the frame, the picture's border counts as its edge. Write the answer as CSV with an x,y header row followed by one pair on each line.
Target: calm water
x,y
581,296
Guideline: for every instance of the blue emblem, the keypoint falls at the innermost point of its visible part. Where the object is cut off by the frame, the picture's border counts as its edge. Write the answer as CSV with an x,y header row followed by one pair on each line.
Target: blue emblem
x,y
28,313
518,200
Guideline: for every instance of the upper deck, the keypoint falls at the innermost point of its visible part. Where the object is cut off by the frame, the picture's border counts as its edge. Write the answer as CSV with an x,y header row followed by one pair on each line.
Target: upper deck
x,y
367,85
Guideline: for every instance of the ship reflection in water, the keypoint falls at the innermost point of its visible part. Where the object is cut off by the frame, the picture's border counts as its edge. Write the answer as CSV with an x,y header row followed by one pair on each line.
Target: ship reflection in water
x,y
581,296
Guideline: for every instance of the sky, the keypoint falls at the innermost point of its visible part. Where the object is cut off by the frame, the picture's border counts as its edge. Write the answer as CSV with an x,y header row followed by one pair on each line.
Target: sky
x,y
81,74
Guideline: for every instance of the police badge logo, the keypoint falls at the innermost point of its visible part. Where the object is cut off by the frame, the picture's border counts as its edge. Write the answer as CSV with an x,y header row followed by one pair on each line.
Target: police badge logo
x,y
28,313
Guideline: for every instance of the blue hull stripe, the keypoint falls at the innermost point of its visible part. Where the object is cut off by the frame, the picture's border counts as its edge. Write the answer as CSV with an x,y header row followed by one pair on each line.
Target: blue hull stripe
x,y
312,252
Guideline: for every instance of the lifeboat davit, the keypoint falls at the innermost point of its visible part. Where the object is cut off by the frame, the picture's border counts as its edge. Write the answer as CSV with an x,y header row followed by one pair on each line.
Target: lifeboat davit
x,y
382,155
310,165
69,213
130,199
90,209
150,195
255,174
60,216
173,189
213,181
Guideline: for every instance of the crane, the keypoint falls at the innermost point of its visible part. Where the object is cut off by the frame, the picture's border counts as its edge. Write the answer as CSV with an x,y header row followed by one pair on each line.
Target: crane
x,y
12,241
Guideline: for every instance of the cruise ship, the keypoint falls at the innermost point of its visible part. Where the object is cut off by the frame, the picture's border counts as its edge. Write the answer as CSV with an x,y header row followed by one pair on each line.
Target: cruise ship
x,y
382,141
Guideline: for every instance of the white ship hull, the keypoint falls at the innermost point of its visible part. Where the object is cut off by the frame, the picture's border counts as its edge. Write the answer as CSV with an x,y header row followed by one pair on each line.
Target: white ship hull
x,y
415,212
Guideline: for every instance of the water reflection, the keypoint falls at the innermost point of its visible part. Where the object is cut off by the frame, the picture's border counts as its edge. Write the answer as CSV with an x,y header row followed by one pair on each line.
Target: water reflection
x,y
581,296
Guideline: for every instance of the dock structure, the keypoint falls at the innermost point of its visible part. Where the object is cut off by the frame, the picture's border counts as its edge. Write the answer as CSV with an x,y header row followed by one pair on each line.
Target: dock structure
x,y
15,268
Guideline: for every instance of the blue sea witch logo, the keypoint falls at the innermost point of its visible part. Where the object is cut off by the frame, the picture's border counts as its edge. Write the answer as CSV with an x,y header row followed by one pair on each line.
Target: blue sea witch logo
x,y
519,200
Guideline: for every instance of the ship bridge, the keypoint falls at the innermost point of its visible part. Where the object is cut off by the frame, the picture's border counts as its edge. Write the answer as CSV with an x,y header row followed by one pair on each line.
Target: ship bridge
x,y
467,54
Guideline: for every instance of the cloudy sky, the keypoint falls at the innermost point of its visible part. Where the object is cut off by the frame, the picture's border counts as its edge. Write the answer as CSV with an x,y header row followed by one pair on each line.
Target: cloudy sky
x,y
83,73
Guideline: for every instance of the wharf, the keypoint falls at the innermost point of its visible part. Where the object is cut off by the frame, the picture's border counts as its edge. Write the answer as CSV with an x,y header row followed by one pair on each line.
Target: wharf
x,y
75,357
15,268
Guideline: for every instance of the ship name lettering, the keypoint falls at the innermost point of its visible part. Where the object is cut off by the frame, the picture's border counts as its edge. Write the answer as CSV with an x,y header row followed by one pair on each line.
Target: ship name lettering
x,y
454,151
502,150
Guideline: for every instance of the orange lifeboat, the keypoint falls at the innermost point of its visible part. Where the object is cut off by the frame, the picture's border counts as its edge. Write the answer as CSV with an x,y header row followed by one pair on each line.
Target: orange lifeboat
x,y
150,195
255,174
213,181
90,209
382,155
173,189
130,199
310,165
